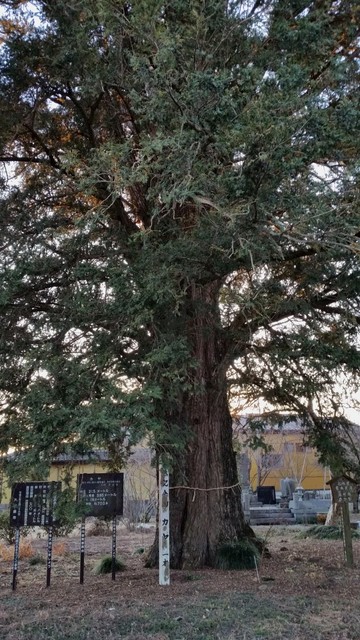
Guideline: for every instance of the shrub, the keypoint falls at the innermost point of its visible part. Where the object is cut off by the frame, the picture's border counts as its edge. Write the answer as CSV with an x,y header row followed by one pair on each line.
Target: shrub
x,y
68,513
7,532
100,527
139,551
60,549
307,519
37,559
322,532
241,554
25,551
105,565
6,552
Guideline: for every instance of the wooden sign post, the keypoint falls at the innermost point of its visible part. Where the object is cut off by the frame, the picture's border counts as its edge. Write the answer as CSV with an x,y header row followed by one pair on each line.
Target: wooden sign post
x,y
164,527
344,490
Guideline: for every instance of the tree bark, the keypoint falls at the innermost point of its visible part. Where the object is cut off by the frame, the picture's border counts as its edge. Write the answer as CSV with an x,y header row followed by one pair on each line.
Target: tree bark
x,y
205,497
333,517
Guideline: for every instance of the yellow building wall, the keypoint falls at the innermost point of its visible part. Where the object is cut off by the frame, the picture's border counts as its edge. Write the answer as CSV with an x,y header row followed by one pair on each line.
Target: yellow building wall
x,y
58,472
287,458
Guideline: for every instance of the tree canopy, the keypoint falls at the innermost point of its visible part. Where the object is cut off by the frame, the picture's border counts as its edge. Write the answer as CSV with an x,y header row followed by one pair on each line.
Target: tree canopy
x,y
181,203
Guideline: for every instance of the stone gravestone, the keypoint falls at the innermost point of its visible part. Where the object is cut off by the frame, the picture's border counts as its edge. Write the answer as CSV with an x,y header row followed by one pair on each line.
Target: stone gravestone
x,y
243,469
287,489
266,495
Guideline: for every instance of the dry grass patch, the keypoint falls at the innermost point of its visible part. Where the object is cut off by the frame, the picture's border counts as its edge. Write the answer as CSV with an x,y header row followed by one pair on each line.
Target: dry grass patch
x,y
26,550
60,548
304,592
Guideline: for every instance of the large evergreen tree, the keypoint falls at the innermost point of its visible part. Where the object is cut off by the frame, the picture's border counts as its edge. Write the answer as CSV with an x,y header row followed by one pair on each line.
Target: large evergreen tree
x,y
180,202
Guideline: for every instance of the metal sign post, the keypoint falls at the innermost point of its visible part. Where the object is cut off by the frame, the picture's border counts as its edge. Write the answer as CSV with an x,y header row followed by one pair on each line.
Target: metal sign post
x,y
164,528
82,550
49,556
16,557
113,548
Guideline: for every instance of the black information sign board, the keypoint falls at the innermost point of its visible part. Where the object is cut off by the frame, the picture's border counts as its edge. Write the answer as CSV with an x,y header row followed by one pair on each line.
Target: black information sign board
x,y
33,504
101,493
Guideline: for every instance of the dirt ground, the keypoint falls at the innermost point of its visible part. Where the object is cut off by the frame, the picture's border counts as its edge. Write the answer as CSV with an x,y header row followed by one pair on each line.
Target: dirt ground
x,y
302,576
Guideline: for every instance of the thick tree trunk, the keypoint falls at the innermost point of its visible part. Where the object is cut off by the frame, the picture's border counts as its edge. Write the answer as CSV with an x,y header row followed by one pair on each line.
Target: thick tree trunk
x,y
207,512
205,498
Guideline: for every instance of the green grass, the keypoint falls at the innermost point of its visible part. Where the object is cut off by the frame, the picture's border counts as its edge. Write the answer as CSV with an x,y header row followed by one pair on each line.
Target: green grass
x,y
37,559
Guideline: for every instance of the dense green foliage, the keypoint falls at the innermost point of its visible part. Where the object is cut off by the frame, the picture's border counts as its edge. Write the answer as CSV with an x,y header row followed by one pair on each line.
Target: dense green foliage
x,y
7,532
160,156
